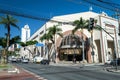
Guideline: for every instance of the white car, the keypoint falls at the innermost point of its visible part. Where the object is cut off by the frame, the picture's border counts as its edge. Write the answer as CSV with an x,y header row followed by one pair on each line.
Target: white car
x,y
14,59
25,60
37,59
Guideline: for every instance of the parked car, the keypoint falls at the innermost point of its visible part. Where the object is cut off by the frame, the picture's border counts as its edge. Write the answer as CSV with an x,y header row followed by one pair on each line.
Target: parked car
x,y
37,59
113,62
45,61
25,60
14,60
18,59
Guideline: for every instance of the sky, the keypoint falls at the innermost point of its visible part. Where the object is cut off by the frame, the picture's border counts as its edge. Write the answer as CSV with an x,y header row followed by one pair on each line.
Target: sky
x,y
45,9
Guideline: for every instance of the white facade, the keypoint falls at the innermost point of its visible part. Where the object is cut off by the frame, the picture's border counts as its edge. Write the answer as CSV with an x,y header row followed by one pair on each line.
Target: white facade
x,y
102,41
25,33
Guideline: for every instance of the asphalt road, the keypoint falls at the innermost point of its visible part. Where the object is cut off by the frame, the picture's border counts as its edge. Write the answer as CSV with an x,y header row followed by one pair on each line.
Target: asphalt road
x,y
70,73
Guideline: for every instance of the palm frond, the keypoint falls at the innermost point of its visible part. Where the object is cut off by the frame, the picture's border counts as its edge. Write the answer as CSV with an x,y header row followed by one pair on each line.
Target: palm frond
x,y
14,25
97,27
80,24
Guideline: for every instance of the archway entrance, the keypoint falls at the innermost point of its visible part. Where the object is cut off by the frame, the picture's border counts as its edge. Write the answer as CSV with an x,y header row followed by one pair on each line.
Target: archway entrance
x,y
70,53
71,48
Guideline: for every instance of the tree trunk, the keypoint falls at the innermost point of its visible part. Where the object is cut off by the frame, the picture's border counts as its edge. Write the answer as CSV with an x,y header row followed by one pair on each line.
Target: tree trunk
x,y
8,41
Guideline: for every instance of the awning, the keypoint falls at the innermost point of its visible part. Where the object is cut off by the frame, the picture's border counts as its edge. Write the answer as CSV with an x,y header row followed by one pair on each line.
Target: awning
x,y
70,51
39,44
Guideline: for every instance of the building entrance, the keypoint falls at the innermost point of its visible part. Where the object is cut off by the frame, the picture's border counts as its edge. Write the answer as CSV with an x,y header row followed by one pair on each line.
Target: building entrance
x,y
76,56
71,48
70,57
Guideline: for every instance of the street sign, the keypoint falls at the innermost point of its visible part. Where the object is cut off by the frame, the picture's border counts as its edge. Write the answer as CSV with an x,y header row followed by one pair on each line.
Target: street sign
x,y
39,44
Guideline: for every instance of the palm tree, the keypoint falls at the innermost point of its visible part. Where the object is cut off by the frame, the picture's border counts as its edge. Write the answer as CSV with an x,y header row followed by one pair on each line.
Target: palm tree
x,y
3,43
47,37
8,21
52,32
81,24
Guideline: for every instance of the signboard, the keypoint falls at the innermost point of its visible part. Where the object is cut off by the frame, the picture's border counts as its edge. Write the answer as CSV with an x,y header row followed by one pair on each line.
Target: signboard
x,y
39,44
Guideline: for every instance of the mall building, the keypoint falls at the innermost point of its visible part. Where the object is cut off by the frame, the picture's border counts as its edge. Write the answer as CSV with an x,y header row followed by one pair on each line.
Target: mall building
x,y
106,42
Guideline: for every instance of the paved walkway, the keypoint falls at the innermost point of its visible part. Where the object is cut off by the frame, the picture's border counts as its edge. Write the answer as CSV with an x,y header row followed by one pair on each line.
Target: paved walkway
x,y
21,75
66,63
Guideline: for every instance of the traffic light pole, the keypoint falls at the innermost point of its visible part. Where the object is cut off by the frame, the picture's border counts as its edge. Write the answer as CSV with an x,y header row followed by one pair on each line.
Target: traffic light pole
x,y
91,25
92,45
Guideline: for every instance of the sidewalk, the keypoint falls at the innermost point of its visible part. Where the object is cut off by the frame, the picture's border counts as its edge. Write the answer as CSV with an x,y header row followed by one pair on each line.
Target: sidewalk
x,y
21,75
70,63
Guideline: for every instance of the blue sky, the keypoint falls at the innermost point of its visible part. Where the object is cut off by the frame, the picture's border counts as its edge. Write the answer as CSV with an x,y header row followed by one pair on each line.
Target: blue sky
x,y
46,9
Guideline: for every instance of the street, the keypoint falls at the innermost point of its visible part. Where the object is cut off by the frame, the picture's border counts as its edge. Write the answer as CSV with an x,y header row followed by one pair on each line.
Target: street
x,y
69,72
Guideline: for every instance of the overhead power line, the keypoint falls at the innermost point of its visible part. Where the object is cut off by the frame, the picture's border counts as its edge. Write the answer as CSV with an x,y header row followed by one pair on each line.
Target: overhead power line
x,y
99,3
3,11
111,4
22,15
105,7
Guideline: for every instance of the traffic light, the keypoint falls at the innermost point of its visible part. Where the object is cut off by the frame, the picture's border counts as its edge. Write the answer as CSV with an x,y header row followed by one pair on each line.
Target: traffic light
x,y
91,24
